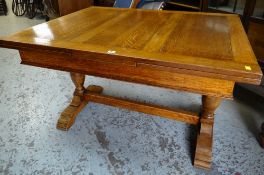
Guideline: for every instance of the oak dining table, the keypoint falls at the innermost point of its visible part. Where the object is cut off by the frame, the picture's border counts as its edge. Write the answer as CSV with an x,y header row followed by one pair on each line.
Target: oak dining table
x,y
203,53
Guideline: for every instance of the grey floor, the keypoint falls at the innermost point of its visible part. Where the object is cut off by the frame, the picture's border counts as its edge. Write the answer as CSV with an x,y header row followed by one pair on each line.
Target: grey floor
x,y
107,140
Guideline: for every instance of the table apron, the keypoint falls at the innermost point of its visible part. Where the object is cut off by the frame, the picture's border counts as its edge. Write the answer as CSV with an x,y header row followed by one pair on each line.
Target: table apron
x,y
149,75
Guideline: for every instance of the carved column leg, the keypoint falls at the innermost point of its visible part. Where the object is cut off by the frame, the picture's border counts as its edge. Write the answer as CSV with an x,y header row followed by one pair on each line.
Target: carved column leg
x,y
203,153
68,116
78,102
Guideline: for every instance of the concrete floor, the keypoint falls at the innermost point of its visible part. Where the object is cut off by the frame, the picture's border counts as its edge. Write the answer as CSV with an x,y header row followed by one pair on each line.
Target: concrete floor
x,y
107,140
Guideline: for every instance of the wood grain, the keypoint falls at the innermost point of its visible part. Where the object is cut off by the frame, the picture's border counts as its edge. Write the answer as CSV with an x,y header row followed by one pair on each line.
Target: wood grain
x,y
69,114
203,153
205,42
203,53
129,71
216,27
174,114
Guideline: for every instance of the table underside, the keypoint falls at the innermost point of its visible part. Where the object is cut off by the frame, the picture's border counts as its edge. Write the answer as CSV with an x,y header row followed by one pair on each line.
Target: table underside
x,y
211,89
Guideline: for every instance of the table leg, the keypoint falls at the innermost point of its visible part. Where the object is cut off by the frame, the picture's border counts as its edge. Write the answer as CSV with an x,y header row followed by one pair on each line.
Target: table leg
x,y
68,116
78,102
203,153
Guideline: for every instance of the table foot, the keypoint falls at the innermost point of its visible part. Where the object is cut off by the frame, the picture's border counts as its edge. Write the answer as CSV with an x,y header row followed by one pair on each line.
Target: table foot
x,y
204,145
69,114
203,153
94,89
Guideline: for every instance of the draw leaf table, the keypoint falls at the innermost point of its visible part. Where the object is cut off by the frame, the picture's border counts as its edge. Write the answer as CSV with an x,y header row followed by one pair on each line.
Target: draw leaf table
x,y
202,53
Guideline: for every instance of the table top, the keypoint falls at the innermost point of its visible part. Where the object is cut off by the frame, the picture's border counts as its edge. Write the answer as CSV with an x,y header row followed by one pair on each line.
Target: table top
x,y
207,43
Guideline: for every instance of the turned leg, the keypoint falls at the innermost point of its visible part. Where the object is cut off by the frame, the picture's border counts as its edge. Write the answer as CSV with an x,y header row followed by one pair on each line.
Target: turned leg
x,y
68,116
203,153
78,102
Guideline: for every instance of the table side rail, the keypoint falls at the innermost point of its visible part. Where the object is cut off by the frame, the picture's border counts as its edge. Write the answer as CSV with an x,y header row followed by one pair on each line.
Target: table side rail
x,y
131,73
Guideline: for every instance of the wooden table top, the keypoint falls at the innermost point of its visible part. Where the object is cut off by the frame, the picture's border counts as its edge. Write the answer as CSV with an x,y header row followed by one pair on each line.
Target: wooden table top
x,y
203,43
